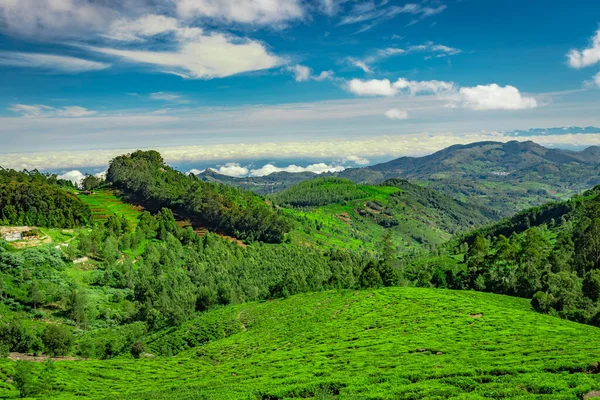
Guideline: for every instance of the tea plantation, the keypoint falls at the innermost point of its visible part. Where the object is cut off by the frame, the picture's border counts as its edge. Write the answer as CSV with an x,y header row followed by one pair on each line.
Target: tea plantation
x,y
394,343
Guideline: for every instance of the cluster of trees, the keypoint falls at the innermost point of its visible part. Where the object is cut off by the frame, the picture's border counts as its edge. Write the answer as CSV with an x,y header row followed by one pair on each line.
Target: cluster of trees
x,y
319,192
556,264
147,179
32,198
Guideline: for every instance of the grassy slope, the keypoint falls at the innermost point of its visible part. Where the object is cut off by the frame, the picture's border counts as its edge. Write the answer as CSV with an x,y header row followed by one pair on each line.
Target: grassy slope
x,y
423,216
361,344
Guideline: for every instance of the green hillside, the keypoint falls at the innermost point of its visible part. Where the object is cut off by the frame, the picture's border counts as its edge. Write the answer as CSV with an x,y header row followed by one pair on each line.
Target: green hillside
x,y
398,343
334,211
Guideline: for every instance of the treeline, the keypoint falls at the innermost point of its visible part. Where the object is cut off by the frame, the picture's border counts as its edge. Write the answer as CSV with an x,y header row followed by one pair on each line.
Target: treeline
x,y
36,203
319,192
556,263
145,177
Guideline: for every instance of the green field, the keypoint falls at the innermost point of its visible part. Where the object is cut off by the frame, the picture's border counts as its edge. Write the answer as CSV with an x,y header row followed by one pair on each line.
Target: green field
x,y
397,343
105,203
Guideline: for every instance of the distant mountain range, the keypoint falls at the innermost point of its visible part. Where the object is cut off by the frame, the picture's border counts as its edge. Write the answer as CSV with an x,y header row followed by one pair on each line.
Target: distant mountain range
x,y
554,131
506,177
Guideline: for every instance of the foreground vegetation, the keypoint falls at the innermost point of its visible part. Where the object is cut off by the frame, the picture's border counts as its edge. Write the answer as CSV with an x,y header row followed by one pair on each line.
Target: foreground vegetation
x,y
401,343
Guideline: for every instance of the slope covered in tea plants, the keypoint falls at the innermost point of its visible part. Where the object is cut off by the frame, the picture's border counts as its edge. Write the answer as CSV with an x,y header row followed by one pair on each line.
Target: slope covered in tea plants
x,y
401,343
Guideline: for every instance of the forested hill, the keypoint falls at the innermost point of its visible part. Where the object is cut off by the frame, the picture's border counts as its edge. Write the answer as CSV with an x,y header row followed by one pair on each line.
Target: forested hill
x,y
550,254
35,199
507,177
145,177
341,212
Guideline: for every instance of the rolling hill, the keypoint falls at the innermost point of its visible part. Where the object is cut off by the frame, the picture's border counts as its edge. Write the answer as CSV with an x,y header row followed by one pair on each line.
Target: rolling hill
x,y
334,211
403,343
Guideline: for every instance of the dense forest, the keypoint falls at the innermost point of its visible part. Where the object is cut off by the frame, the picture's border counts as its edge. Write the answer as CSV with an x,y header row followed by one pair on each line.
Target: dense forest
x,y
549,254
147,179
35,199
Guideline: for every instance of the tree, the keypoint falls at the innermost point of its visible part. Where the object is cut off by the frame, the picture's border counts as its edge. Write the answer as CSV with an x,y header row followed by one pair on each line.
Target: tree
x,y
36,296
57,340
591,285
90,182
78,308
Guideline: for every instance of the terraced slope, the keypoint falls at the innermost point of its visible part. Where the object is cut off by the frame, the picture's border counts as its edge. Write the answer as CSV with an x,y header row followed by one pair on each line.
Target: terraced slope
x,y
397,343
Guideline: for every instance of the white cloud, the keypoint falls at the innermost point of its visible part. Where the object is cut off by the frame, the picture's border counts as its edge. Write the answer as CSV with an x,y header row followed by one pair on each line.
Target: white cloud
x,y
303,73
318,168
74,176
494,97
396,114
261,12
233,169
373,87
357,160
597,79
195,171
201,56
40,110
418,87
54,18
50,62
384,87
586,57
139,29
370,14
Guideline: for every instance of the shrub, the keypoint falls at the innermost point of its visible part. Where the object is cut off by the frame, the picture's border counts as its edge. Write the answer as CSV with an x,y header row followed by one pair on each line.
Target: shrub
x,y
57,340
137,349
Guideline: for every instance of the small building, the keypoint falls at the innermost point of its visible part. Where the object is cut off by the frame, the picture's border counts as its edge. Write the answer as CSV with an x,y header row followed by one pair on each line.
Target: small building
x,y
16,233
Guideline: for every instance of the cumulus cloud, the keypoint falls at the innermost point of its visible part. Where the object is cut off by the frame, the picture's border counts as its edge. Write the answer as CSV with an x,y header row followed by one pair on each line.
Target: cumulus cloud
x,y
384,87
260,12
318,168
40,110
372,87
396,114
586,57
303,73
195,171
74,176
50,62
233,169
494,97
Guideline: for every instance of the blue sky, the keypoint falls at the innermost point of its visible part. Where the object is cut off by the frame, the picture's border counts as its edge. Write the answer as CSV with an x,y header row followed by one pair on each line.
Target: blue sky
x,y
333,80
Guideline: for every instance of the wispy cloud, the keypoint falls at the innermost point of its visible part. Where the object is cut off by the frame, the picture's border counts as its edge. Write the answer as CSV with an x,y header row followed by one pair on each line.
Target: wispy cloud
x,y
369,14
40,110
169,97
431,49
50,62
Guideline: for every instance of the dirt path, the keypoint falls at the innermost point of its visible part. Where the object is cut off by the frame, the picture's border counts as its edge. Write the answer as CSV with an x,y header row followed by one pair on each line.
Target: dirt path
x,y
41,358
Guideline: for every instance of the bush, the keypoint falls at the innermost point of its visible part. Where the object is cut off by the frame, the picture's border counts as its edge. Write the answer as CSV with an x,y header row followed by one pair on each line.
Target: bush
x,y
57,340
137,349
